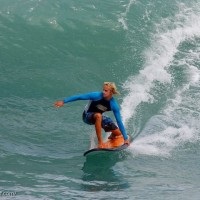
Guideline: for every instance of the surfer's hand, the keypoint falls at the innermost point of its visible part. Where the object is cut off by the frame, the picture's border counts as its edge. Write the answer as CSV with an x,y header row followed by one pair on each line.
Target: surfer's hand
x,y
127,142
59,104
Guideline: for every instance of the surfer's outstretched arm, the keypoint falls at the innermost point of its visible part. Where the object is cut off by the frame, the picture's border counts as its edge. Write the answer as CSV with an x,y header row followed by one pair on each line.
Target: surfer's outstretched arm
x,y
87,96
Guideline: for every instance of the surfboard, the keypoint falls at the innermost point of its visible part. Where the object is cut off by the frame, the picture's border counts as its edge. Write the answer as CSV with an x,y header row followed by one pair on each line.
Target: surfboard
x,y
116,144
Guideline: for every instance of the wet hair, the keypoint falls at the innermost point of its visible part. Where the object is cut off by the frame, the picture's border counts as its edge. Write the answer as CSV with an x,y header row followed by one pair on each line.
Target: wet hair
x,y
112,87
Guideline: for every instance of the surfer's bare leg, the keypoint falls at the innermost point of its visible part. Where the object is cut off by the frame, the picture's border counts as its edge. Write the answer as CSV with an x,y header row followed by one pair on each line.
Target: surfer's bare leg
x,y
115,133
98,120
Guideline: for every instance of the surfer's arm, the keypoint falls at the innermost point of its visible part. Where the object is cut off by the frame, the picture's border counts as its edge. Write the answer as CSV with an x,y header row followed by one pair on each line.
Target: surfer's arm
x,y
87,96
115,108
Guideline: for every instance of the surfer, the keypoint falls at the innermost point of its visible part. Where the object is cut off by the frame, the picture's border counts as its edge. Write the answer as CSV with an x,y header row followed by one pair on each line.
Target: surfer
x,y
99,103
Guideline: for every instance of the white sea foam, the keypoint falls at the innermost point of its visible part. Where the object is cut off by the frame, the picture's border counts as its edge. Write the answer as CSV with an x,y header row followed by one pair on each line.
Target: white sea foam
x,y
162,143
159,56
165,45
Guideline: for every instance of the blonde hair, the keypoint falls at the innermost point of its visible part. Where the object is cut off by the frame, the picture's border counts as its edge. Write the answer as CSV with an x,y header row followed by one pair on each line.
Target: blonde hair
x,y
112,87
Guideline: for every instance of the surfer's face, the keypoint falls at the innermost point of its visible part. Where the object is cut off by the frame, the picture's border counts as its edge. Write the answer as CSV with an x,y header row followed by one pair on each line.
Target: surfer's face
x,y
107,92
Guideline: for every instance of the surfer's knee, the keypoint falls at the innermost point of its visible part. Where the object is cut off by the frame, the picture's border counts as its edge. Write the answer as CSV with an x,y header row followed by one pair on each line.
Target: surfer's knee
x,y
97,116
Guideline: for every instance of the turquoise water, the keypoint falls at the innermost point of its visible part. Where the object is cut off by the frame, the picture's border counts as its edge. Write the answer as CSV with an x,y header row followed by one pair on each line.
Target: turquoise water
x,y
53,49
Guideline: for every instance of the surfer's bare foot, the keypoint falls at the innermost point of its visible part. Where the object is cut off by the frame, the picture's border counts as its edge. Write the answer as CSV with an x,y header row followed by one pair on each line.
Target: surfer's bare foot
x,y
101,145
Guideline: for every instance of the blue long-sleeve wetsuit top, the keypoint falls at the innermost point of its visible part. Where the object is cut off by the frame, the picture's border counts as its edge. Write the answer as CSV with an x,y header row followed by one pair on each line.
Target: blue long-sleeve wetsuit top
x,y
99,104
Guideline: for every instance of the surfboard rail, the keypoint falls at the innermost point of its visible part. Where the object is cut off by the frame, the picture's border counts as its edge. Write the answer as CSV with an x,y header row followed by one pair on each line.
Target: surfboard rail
x,y
124,146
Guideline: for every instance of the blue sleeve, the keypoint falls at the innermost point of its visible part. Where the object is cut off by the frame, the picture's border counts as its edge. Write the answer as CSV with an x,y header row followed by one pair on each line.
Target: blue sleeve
x,y
87,96
115,109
